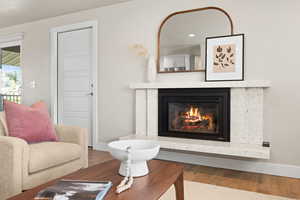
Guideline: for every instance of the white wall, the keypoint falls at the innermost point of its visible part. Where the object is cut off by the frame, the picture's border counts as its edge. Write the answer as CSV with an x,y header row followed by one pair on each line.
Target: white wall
x,y
272,31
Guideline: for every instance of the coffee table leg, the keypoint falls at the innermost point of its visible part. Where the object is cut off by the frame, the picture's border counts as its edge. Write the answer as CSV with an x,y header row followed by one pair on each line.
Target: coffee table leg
x,y
179,188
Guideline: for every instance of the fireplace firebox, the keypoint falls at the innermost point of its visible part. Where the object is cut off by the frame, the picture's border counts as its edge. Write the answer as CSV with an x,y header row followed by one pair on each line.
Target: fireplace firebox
x,y
194,113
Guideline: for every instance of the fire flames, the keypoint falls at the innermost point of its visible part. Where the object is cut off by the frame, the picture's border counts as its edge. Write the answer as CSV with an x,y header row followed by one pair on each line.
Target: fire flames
x,y
193,115
193,119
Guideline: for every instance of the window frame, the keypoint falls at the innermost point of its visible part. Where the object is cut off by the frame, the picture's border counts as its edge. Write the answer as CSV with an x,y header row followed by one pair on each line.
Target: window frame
x,y
10,41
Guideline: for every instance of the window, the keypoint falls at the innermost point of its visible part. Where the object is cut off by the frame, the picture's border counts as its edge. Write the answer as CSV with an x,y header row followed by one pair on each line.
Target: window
x,y
11,73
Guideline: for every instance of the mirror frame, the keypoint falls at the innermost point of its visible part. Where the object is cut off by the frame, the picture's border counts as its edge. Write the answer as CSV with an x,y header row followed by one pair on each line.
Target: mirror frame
x,y
182,12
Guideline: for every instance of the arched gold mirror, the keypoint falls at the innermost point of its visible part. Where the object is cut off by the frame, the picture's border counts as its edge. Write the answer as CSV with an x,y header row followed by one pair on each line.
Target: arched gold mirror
x,y
181,38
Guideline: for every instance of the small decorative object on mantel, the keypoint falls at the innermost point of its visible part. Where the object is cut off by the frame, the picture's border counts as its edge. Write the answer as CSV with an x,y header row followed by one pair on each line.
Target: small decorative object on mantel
x,y
151,65
151,69
225,58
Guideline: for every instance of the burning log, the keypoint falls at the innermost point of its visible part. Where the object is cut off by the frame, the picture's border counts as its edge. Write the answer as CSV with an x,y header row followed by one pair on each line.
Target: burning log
x,y
192,120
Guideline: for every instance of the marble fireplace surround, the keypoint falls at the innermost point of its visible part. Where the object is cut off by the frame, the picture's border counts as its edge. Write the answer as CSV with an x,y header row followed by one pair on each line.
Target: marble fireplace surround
x,y
246,118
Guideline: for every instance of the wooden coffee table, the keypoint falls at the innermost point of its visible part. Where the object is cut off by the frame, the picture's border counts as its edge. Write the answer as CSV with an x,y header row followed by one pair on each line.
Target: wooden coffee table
x,y
162,176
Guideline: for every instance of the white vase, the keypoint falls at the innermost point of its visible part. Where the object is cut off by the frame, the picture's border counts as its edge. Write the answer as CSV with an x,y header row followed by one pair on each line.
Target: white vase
x,y
151,69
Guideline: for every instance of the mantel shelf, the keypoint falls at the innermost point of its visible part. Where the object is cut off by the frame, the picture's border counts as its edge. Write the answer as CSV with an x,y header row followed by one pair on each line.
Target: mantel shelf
x,y
220,84
211,147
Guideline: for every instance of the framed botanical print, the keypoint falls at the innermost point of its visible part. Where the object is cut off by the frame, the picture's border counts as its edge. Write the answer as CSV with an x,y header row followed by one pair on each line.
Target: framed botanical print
x,y
225,58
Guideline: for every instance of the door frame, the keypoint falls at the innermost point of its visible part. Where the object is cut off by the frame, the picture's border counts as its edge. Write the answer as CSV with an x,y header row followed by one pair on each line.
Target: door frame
x,y
54,72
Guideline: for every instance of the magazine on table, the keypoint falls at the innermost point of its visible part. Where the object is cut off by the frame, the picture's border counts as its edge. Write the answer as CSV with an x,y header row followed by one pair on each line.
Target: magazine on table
x,y
75,190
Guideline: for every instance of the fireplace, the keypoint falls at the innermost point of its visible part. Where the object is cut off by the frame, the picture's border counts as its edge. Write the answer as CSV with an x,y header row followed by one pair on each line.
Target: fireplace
x,y
194,113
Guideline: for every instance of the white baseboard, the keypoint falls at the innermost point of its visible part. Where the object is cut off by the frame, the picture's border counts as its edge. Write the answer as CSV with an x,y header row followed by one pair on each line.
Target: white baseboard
x,y
101,146
227,163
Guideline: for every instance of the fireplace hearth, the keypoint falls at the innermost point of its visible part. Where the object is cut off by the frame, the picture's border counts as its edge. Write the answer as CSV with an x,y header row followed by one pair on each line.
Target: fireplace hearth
x,y
194,113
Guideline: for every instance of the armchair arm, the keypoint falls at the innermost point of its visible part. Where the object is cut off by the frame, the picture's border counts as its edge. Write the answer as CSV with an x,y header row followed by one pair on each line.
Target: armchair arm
x,y
12,151
76,135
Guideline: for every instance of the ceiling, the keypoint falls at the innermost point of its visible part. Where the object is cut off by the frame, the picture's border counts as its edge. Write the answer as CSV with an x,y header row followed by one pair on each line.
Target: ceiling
x,y
13,12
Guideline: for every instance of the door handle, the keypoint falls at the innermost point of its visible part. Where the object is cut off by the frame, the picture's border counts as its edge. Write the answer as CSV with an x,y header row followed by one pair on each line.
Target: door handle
x,y
90,94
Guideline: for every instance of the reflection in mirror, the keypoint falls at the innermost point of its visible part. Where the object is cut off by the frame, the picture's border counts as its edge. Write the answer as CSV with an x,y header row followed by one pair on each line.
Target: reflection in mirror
x,y
182,38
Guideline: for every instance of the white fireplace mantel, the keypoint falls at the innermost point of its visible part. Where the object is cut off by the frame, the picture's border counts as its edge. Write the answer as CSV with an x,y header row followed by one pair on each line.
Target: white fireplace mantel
x,y
246,121
220,84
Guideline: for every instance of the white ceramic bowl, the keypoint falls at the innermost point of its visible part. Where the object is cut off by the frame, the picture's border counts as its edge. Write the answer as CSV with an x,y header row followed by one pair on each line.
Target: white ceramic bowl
x,y
141,151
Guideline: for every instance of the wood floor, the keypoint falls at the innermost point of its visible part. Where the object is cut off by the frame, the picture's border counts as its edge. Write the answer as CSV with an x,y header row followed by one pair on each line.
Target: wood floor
x,y
262,183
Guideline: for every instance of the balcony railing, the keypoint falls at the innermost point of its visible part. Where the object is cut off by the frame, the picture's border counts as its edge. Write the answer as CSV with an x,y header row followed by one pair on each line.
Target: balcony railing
x,y
13,98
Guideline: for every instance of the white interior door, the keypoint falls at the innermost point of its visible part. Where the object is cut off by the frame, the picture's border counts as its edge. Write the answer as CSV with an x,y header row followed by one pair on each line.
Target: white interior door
x,y
75,86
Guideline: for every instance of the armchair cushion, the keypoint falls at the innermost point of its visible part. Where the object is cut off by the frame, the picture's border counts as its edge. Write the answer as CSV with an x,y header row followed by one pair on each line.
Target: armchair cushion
x,y
50,154
76,135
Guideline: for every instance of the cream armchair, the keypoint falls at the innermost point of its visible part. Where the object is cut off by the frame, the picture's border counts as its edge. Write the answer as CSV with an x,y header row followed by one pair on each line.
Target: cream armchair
x,y
24,166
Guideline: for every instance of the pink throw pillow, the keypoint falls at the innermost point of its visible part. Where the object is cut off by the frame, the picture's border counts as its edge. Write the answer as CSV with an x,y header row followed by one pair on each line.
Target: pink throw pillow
x,y
33,124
